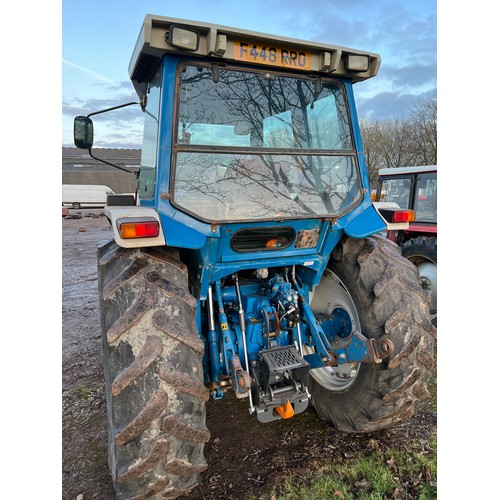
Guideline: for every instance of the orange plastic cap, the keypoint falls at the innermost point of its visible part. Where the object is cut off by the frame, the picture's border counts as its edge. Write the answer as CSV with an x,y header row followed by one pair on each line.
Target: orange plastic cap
x,y
285,411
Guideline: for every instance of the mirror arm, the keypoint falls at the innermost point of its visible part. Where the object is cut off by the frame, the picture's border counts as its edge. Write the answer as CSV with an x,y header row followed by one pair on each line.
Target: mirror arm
x,y
111,164
111,109
90,150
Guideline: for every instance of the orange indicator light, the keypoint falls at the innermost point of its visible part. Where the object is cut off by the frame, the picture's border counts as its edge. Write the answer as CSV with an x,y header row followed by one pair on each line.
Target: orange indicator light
x,y
275,243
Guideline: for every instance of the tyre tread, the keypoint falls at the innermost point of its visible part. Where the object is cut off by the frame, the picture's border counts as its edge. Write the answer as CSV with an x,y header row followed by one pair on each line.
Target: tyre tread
x,y
127,275
176,331
175,427
183,383
160,449
131,317
150,351
154,407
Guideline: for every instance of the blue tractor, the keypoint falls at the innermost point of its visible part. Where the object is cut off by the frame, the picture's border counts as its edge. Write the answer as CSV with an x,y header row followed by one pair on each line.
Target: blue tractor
x,y
249,260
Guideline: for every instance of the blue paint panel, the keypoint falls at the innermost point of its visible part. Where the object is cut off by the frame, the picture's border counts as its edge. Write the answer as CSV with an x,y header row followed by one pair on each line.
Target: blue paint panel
x,y
182,235
166,127
365,179
365,224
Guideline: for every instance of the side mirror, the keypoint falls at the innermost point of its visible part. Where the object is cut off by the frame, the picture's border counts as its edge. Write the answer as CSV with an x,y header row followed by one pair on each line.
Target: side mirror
x,y
83,132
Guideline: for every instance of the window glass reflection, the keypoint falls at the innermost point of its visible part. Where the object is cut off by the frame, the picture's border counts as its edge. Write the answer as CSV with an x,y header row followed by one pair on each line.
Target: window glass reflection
x,y
260,110
245,187
299,159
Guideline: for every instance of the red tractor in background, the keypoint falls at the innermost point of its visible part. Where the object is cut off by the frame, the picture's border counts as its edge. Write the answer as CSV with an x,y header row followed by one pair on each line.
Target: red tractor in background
x,y
415,188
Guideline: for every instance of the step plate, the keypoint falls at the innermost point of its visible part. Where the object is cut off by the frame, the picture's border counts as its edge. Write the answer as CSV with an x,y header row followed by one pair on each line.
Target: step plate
x,y
283,358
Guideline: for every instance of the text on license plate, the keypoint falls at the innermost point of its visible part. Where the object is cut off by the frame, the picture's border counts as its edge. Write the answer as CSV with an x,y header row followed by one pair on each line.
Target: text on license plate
x,y
274,56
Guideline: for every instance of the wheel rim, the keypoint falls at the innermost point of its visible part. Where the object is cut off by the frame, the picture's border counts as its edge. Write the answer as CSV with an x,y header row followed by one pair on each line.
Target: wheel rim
x,y
427,277
330,294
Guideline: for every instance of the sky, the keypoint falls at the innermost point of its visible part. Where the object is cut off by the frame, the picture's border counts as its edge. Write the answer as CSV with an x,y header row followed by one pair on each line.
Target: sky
x,y
98,40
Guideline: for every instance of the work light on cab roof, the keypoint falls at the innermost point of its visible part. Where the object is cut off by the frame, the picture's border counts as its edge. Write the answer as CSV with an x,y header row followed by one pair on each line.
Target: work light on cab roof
x,y
182,38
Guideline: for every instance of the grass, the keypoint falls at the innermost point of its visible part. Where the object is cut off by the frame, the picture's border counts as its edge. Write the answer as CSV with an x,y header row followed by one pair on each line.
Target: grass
x,y
83,392
383,474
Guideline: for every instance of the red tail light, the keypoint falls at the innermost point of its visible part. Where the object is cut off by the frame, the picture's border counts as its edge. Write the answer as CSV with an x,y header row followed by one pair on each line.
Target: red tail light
x,y
393,215
403,216
139,229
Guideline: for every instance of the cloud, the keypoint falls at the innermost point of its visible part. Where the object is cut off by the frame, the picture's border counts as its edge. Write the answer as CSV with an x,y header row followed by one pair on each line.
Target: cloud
x,y
389,105
84,107
89,72
130,139
406,37
414,75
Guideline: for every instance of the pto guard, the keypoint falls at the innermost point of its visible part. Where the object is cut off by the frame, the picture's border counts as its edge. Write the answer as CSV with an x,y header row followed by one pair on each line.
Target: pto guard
x,y
115,213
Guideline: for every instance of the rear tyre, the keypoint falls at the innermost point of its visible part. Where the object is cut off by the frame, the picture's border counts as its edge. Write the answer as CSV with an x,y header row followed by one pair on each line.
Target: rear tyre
x,y
153,373
422,251
372,277
76,205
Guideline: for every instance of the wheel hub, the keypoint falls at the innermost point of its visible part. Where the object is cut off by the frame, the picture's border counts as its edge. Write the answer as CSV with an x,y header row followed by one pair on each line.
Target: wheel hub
x,y
331,299
427,272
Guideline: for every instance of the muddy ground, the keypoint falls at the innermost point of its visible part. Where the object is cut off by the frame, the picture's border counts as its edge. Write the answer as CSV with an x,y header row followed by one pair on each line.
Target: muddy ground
x,y
244,456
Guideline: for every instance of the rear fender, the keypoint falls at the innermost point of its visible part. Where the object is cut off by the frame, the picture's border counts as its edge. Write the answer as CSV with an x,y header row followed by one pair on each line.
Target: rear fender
x,y
116,213
366,223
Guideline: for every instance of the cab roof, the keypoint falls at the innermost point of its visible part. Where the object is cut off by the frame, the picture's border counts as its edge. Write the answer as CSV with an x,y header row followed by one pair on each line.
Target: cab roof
x,y
232,44
417,169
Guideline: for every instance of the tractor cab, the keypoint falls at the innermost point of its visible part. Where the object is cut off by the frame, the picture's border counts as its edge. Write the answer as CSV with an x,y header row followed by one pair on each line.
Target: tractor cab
x,y
252,127
245,127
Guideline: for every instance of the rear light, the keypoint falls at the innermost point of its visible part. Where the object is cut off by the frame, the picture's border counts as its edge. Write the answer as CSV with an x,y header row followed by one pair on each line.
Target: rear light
x,y
403,216
139,228
394,215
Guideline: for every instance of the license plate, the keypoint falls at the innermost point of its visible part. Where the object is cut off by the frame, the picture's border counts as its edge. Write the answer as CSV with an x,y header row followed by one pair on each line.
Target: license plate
x,y
272,56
